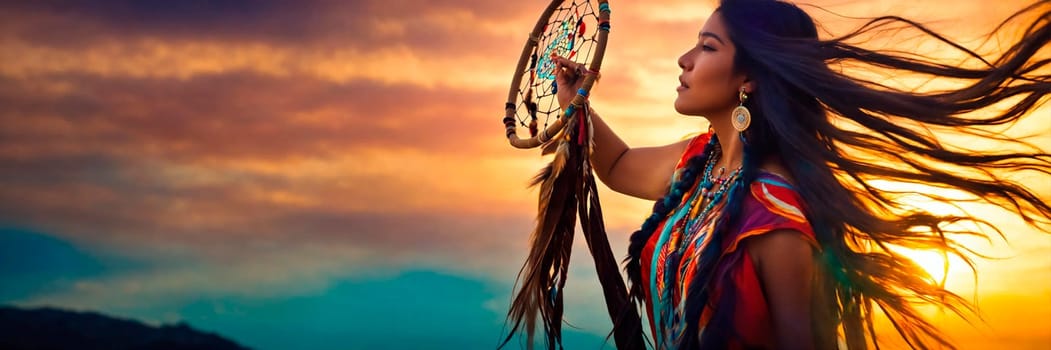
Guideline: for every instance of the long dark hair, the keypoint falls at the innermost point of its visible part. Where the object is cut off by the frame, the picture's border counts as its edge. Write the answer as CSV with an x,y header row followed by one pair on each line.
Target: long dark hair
x,y
818,120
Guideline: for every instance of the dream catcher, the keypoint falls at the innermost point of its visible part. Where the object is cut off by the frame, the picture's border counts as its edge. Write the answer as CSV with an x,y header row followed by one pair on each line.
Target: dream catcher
x,y
576,30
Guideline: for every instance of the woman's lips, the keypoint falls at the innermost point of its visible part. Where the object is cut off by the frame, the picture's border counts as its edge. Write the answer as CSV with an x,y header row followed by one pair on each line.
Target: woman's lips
x,y
682,85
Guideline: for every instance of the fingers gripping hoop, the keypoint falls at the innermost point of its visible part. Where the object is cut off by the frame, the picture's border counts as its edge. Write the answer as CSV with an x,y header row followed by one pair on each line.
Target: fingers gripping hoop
x,y
575,29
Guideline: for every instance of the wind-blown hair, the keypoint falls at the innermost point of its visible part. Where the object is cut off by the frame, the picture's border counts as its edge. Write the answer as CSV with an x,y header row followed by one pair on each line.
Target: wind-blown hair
x,y
841,135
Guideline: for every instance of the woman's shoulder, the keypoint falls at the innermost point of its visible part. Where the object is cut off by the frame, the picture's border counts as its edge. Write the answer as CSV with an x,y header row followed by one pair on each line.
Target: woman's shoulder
x,y
777,194
773,204
774,178
775,189
694,148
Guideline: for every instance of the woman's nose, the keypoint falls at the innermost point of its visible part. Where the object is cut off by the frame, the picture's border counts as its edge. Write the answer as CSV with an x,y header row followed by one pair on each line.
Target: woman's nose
x,y
682,61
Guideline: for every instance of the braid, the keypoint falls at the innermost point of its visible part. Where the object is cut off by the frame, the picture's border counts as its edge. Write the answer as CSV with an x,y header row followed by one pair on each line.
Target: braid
x,y
661,208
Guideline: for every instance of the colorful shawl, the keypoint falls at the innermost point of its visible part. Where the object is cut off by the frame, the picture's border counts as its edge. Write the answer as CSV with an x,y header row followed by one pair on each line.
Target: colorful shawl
x,y
772,205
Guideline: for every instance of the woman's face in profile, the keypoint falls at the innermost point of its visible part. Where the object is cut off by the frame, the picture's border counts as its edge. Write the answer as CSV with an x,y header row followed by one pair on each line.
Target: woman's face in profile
x,y
708,83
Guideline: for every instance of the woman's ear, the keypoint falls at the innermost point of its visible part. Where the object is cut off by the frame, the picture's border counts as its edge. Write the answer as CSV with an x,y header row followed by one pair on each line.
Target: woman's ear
x,y
749,86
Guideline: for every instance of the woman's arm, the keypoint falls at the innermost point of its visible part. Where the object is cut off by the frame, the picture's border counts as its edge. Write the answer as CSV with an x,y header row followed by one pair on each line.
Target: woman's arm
x,y
643,172
785,264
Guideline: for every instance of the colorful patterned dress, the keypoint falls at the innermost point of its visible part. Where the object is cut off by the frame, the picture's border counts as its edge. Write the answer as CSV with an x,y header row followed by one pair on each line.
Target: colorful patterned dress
x,y
771,205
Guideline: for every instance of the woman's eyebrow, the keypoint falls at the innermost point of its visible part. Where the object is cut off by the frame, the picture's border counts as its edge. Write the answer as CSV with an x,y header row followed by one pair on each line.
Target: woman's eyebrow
x,y
716,37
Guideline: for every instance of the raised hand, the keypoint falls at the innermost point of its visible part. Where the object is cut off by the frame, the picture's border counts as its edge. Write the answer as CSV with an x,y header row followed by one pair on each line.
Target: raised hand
x,y
569,76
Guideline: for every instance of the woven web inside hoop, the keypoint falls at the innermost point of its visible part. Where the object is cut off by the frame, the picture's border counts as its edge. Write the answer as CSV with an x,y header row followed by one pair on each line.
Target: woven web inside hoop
x,y
570,32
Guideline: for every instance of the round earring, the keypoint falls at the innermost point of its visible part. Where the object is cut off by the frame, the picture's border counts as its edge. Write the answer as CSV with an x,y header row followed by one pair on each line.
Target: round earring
x,y
742,118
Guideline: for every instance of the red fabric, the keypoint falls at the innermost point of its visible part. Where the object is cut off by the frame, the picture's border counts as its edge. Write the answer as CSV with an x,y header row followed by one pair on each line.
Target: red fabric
x,y
772,205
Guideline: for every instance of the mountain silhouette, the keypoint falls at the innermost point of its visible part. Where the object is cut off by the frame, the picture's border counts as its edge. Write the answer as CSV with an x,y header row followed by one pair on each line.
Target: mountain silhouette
x,y
51,328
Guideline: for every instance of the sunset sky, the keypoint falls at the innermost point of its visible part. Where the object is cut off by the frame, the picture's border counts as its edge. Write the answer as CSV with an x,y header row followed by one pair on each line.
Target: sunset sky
x,y
334,174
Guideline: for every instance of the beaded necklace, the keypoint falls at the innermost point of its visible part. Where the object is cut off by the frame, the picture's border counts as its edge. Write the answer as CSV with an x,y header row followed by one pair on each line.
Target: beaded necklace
x,y
709,198
700,205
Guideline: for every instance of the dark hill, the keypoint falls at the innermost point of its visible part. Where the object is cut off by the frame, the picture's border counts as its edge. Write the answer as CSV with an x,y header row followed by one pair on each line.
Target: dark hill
x,y
50,328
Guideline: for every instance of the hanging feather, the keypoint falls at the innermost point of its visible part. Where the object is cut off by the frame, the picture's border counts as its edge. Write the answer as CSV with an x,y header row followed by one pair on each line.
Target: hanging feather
x,y
568,189
627,326
553,146
543,277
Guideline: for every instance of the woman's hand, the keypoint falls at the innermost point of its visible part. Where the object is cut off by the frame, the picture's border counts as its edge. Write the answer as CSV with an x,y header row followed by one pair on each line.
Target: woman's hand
x,y
569,76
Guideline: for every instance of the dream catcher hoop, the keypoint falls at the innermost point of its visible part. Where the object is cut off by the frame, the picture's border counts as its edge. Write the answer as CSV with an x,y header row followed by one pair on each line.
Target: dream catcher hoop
x,y
563,30
576,30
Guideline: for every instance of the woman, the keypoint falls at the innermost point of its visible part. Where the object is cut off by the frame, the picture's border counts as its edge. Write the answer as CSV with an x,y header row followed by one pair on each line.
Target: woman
x,y
766,233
